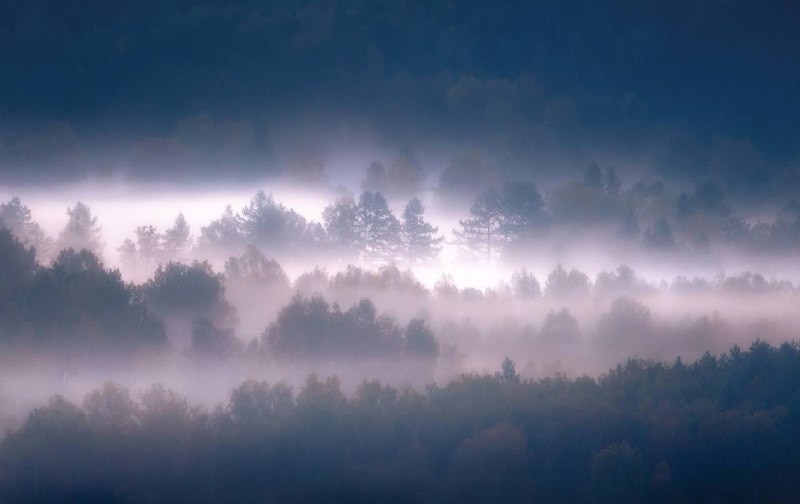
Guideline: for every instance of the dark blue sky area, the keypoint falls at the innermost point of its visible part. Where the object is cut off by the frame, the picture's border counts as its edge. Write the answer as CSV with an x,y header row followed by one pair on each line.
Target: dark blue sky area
x,y
602,77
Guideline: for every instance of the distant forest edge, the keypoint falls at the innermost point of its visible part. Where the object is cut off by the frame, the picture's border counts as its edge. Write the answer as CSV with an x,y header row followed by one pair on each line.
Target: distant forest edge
x,y
641,432
502,223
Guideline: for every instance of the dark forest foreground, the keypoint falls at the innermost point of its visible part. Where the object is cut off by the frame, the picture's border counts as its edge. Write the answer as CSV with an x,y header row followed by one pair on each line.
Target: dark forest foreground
x,y
721,429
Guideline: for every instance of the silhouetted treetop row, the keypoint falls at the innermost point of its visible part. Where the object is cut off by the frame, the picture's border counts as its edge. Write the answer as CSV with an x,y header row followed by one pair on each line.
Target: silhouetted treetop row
x,y
721,429
502,221
313,328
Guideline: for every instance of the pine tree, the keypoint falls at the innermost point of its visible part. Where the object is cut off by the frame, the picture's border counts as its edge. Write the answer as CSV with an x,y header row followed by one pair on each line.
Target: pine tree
x,y
377,228
418,239
481,232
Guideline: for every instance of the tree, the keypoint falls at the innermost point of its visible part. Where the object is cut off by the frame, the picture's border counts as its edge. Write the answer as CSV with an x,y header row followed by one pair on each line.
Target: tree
x,y
628,325
271,225
262,219
177,240
17,269
420,340
522,208
256,403
208,340
524,284
254,268
81,230
564,284
78,301
148,245
377,228
312,328
508,373
418,238
559,328
492,466
481,232
340,220
224,233
17,217
617,474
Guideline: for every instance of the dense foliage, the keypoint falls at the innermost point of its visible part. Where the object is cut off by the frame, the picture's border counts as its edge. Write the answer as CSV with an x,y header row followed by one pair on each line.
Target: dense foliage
x,y
718,430
75,303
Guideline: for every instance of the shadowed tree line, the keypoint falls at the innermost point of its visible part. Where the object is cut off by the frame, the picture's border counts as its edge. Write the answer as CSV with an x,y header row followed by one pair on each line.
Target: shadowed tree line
x,y
722,429
75,302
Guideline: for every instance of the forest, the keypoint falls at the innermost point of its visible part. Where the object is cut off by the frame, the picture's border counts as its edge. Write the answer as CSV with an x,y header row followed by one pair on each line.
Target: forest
x,y
294,251
365,384
642,432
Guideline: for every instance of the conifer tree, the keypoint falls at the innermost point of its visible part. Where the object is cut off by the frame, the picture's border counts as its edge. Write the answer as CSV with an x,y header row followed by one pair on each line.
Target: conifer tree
x,y
418,239
481,232
377,228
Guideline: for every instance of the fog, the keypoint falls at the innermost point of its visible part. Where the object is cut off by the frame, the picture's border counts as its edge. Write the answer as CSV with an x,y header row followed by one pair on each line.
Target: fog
x,y
408,251
567,295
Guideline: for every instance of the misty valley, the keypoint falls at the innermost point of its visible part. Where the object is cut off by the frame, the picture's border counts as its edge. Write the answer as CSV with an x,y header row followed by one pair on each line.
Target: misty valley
x,y
194,367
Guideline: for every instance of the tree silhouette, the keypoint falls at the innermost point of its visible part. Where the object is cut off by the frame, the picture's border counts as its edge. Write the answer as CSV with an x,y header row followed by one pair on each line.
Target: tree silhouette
x,y
17,217
81,230
522,209
482,231
177,240
340,220
420,340
525,285
223,234
418,239
17,269
508,373
81,305
189,291
377,227
271,226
